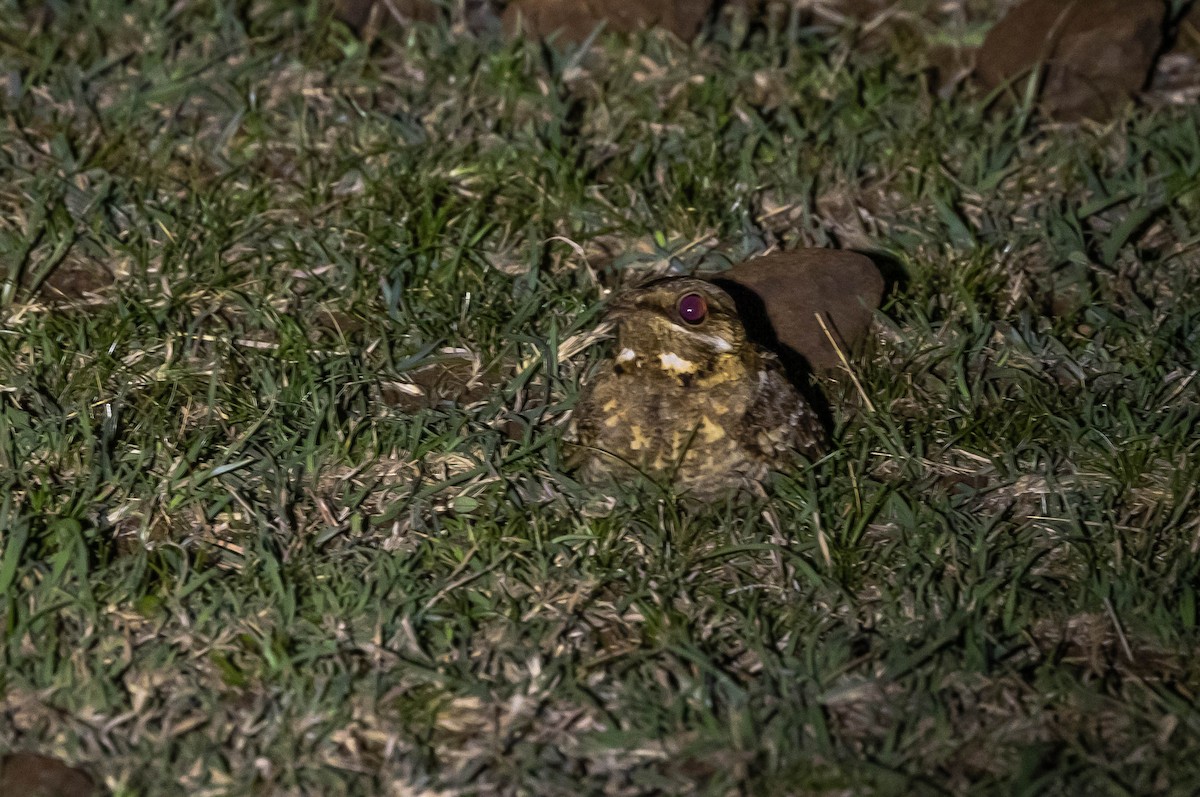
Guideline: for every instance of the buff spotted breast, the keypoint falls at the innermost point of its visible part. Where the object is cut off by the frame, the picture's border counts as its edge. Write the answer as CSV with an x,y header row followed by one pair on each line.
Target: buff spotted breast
x,y
688,400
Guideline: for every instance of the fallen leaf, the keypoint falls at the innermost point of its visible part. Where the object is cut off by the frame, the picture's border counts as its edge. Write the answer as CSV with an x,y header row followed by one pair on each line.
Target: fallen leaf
x,y
780,296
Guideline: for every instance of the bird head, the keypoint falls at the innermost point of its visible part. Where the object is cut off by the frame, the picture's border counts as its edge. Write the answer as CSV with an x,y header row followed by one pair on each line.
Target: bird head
x,y
682,323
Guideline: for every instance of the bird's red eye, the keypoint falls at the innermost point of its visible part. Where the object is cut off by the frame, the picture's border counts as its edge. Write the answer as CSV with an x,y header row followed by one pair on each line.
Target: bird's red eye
x,y
693,308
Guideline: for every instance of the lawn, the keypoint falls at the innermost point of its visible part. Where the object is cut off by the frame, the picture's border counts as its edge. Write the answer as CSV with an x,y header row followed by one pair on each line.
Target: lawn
x,y
291,325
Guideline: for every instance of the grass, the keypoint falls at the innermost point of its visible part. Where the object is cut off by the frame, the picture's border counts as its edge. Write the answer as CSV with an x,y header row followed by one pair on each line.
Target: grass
x,y
290,329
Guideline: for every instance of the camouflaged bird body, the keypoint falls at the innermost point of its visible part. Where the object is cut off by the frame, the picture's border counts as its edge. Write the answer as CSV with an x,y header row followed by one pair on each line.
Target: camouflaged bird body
x,y
698,405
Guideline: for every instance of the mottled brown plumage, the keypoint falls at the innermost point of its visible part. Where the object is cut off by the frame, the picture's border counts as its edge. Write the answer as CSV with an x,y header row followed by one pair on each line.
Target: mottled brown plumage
x,y
688,399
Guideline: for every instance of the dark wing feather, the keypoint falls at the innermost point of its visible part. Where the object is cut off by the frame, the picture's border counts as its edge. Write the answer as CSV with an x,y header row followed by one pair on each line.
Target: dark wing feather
x,y
779,421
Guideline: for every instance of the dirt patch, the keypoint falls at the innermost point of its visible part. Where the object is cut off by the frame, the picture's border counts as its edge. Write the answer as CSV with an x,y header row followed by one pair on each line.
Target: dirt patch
x,y
335,324
1100,644
1094,56
75,280
32,775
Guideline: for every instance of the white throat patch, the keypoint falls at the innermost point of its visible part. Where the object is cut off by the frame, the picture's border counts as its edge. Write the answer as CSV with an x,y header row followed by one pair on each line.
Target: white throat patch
x,y
715,341
673,362
626,355
718,343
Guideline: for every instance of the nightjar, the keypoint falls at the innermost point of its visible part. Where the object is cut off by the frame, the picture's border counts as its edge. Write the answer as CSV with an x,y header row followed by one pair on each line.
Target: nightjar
x,y
688,399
